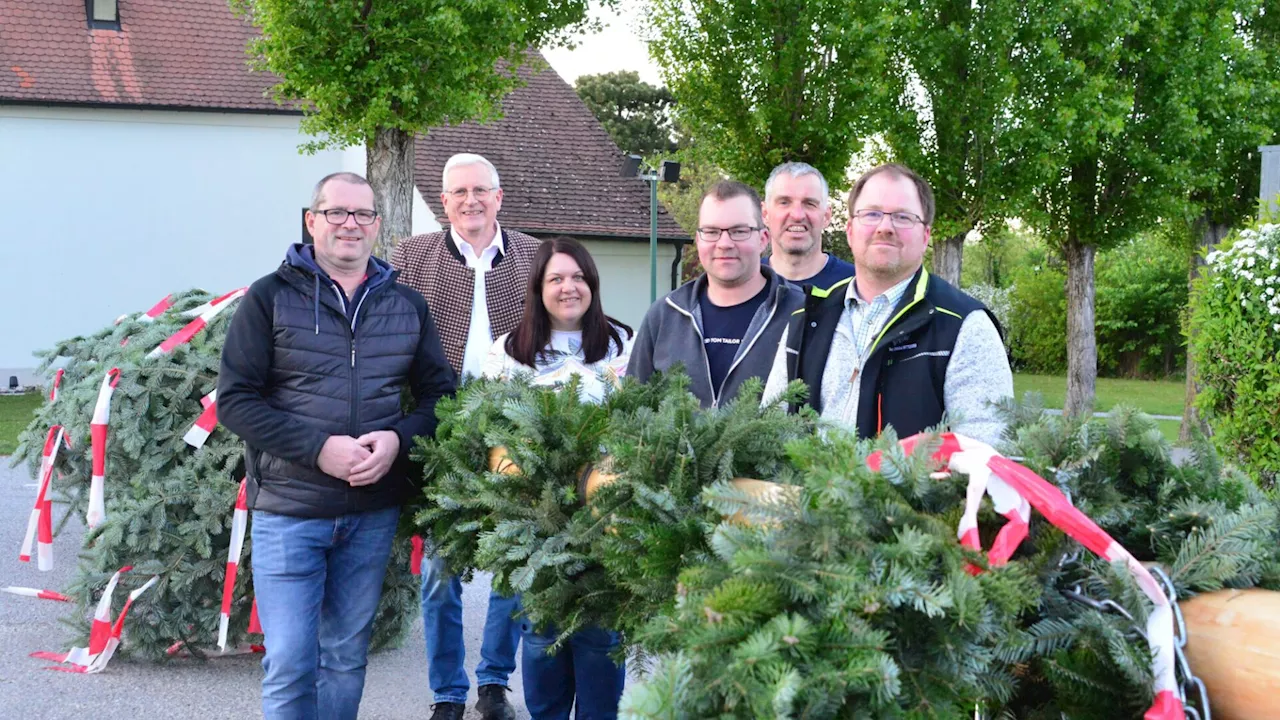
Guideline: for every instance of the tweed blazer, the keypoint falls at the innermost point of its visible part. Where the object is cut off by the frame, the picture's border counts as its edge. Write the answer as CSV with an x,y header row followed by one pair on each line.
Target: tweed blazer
x,y
433,265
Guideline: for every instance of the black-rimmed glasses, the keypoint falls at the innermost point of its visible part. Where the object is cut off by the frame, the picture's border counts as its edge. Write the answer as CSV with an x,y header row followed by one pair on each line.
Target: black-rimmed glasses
x,y
338,216
738,233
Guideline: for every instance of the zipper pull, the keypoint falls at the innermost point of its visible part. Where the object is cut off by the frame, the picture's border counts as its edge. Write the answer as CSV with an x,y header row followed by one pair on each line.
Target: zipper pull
x,y
353,355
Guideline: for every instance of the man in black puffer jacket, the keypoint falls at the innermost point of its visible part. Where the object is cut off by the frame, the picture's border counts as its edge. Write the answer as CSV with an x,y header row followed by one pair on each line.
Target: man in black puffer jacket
x,y
311,379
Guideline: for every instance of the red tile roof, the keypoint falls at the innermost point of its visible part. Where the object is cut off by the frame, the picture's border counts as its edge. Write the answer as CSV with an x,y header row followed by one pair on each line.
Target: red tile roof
x,y
167,53
558,167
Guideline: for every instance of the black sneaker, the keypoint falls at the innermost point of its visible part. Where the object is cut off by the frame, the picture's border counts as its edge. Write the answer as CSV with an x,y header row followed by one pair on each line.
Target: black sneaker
x,y
492,704
447,711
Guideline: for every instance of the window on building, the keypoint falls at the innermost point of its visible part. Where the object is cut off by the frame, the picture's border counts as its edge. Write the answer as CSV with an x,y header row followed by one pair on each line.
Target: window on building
x,y
103,14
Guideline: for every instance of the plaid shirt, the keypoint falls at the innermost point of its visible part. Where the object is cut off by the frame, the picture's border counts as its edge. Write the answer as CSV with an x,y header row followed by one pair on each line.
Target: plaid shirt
x,y
859,325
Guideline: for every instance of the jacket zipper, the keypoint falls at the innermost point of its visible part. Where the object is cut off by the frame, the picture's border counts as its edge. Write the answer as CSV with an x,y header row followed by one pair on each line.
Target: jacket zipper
x,y
706,364
353,417
772,310
715,392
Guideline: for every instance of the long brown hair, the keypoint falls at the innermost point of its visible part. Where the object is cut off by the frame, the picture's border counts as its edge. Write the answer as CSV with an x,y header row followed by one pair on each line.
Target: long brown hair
x,y
531,336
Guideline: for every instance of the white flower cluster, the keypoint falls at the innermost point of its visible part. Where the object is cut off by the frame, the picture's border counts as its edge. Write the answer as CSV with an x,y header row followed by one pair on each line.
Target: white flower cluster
x,y
1254,260
999,301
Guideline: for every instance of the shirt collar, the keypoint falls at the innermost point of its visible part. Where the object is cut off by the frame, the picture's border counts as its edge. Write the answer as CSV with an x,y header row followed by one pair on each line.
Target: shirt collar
x,y
464,247
893,294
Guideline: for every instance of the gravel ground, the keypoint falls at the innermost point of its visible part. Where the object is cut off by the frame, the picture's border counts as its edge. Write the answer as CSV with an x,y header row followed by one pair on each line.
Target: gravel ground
x,y
228,687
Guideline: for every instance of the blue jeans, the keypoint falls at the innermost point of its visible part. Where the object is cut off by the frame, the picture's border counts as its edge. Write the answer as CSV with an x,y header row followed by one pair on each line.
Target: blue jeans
x,y
442,624
581,671
318,582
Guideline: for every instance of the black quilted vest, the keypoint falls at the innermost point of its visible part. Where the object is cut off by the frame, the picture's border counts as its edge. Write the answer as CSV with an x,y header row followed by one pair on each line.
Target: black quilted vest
x,y
903,379
339,367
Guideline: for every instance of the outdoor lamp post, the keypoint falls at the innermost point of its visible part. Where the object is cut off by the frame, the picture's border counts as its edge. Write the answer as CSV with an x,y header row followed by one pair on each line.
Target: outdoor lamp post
x,y
667,171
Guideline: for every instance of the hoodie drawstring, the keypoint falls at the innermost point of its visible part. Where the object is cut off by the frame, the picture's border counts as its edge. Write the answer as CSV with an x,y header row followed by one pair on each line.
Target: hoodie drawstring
x,y
316,297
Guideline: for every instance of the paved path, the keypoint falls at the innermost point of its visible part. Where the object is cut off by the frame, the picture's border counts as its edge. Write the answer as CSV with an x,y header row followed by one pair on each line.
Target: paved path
x,y
396,685
1058,411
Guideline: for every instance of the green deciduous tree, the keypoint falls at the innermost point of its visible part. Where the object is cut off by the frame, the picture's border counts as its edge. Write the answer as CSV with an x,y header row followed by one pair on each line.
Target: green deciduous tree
x,y
1107,116
952,85
1242,110
636,115
373,73
760,82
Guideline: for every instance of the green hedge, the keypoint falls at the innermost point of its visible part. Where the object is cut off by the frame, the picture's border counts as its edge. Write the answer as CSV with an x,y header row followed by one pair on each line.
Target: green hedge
x,y
1141,291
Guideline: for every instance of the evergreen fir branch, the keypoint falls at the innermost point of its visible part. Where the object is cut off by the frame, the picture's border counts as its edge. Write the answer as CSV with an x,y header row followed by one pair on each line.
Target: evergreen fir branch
x,y
1230,552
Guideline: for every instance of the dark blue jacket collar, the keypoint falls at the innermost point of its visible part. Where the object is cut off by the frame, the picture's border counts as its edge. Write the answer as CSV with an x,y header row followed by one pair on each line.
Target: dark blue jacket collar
x,y
303,257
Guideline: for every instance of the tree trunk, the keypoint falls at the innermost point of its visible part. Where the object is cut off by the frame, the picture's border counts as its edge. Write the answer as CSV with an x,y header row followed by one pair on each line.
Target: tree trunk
x,y
1211,234
948,257
390,170
1082,345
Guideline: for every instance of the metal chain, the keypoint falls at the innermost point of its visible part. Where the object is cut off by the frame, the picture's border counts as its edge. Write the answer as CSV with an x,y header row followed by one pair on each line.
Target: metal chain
x,y
1191,689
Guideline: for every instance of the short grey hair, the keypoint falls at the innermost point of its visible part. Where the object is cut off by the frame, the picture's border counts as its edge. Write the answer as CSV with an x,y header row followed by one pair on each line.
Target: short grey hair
x,y
317,195
464,160
796,170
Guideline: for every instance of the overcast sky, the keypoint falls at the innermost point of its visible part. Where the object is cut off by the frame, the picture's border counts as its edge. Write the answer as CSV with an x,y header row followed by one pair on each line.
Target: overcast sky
x,y
616,47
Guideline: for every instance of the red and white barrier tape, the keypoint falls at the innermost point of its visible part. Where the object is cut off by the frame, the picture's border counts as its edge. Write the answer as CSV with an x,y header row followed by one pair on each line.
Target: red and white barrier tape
x,y
239,521
104,636
40,524
97,513
36,593
202,309
207,312
205,423
57,380
415,555
1014,490
156,310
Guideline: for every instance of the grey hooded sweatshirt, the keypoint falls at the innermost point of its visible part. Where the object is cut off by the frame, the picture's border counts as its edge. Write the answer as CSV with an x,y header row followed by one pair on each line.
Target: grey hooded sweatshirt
x,y
672,334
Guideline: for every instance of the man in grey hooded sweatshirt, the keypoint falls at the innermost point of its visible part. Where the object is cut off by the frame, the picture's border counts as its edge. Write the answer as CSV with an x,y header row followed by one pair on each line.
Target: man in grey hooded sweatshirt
x,y
724,326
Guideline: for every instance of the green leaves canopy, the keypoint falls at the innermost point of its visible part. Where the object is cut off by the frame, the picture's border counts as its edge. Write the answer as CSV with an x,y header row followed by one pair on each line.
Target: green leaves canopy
x,y
758,83
951,83
1107,111
407,64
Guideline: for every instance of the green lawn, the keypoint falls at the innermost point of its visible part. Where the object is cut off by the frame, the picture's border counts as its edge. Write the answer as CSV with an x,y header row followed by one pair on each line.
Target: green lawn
x,y
15,413
1157,397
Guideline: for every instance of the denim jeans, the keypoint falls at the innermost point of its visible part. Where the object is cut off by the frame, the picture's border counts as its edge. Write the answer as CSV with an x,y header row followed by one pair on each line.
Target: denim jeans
x,y
582,671
442,624
318,583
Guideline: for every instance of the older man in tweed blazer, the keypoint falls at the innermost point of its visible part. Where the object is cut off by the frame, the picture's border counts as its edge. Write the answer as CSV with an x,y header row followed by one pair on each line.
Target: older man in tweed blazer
x,y
474,276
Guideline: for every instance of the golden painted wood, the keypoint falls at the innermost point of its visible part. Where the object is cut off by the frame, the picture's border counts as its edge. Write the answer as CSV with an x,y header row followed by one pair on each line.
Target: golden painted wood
x,y
593,478
1233,645
500,462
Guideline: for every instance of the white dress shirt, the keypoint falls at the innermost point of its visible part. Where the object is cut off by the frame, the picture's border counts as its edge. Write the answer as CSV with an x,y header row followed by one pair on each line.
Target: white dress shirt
x,y
479,332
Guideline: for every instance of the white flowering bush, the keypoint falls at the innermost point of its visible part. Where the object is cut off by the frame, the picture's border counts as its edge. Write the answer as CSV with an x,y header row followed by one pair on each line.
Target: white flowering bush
x,y
998,300
1235,340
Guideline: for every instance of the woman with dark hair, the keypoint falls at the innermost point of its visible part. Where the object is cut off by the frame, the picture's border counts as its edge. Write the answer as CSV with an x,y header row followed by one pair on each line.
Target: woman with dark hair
x,y
564,332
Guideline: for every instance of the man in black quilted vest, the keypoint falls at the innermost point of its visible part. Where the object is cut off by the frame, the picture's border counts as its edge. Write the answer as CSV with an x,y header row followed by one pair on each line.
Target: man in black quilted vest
x,y
475,276
311,378
893,345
